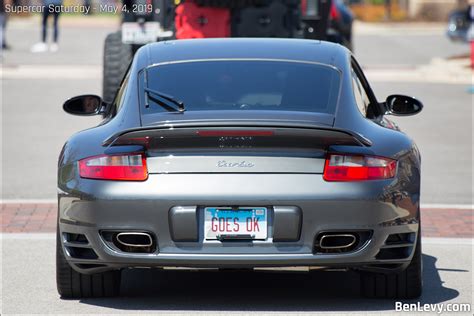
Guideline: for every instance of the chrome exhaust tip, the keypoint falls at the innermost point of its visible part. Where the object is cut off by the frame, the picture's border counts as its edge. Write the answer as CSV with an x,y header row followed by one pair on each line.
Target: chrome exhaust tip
x,y
134,242
135,239
337,241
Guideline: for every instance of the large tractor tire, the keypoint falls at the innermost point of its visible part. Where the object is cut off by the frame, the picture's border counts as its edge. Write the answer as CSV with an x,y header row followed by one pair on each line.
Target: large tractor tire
x,y
117,57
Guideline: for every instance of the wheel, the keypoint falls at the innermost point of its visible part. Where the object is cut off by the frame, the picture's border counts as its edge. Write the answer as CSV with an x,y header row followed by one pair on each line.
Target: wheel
x,y
72,284
117,57
406,284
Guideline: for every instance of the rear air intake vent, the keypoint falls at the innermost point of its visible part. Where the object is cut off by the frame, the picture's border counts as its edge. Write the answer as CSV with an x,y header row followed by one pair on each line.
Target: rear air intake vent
x,y
87,266
395,239
397,246
75,238
393,253
77,246
334,242
81,253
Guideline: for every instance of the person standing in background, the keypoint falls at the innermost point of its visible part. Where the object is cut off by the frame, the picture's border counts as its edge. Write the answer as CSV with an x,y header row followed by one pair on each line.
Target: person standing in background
x,y
3,23
50,8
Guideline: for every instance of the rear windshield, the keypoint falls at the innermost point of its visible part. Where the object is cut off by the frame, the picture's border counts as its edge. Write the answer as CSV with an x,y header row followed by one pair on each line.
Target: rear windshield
x,y
244,85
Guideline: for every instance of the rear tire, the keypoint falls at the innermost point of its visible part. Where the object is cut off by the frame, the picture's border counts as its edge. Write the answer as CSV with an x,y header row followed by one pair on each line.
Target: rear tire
x,y
117,57
72,284
406,284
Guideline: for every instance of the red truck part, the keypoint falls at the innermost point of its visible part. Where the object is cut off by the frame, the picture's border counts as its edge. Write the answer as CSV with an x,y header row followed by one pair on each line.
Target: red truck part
x,y
192,21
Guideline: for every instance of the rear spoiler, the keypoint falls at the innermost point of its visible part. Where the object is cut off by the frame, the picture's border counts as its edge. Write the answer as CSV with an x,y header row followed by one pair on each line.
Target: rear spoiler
x,y
142,135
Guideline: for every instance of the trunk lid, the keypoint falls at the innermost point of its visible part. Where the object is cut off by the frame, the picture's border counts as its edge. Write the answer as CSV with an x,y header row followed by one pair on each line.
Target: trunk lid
x,y
236,146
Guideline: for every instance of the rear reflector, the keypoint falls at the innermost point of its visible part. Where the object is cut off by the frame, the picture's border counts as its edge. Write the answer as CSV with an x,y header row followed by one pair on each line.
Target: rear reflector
x,y
116,167
358,168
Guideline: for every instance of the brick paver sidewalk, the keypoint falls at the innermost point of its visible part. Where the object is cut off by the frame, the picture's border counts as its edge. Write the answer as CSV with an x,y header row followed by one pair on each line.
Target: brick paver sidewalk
x,y
29,218
41,217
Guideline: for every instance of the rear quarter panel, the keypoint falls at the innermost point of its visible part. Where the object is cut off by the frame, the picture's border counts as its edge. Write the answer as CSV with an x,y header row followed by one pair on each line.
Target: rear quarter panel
x,y
386,142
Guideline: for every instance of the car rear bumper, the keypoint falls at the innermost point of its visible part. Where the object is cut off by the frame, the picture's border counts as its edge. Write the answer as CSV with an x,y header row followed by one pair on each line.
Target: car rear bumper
x,y
300,208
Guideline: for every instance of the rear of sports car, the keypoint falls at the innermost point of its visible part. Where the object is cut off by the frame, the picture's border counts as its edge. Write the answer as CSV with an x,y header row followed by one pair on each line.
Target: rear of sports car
x,y
252,191
276,198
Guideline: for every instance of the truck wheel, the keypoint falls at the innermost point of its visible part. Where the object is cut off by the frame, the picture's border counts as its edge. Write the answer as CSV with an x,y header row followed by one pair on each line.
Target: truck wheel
x,y
117,57
72,284
406,284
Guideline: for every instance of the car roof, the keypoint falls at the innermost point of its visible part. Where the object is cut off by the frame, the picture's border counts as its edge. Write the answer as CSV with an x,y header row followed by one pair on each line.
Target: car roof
x,y
253,48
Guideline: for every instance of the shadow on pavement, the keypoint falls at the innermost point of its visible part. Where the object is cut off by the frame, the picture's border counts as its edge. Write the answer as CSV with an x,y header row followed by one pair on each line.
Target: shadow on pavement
x,y
150,289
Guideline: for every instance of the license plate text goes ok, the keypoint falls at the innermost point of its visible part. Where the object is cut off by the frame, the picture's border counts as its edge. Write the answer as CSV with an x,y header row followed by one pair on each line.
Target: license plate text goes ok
x,y
232,224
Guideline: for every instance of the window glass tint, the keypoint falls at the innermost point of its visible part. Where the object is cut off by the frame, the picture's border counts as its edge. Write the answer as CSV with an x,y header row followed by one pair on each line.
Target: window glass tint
x,y
246,85
360,95
119,98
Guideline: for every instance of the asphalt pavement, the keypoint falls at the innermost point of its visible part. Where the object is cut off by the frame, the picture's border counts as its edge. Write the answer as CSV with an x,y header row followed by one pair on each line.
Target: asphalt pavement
x,y
29,286
403,45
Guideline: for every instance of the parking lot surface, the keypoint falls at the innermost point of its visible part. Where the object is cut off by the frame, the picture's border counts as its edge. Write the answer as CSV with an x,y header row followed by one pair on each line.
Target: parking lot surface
x,y
29,286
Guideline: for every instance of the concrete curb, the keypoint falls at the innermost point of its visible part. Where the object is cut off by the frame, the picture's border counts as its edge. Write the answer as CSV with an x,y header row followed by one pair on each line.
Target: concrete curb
x,y
397,28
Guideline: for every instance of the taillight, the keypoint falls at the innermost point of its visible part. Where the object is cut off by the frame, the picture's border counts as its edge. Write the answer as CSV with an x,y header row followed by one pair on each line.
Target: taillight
x,y
334,12
114,167
358,168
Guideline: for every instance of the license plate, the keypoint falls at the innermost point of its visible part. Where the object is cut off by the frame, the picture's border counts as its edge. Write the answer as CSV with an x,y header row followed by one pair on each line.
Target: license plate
x,y
225,223
134,33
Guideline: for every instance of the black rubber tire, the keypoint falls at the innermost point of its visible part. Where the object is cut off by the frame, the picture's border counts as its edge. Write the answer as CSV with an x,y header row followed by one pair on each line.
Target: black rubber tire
x,y
406,284
72,284
117,57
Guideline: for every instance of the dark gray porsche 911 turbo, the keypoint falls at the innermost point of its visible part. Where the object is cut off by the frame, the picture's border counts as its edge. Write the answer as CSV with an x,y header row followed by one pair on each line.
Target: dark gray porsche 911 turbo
x,y
240,153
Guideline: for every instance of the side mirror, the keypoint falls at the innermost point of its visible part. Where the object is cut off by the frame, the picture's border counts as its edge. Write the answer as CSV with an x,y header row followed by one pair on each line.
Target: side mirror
x,y
88,104
402,105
